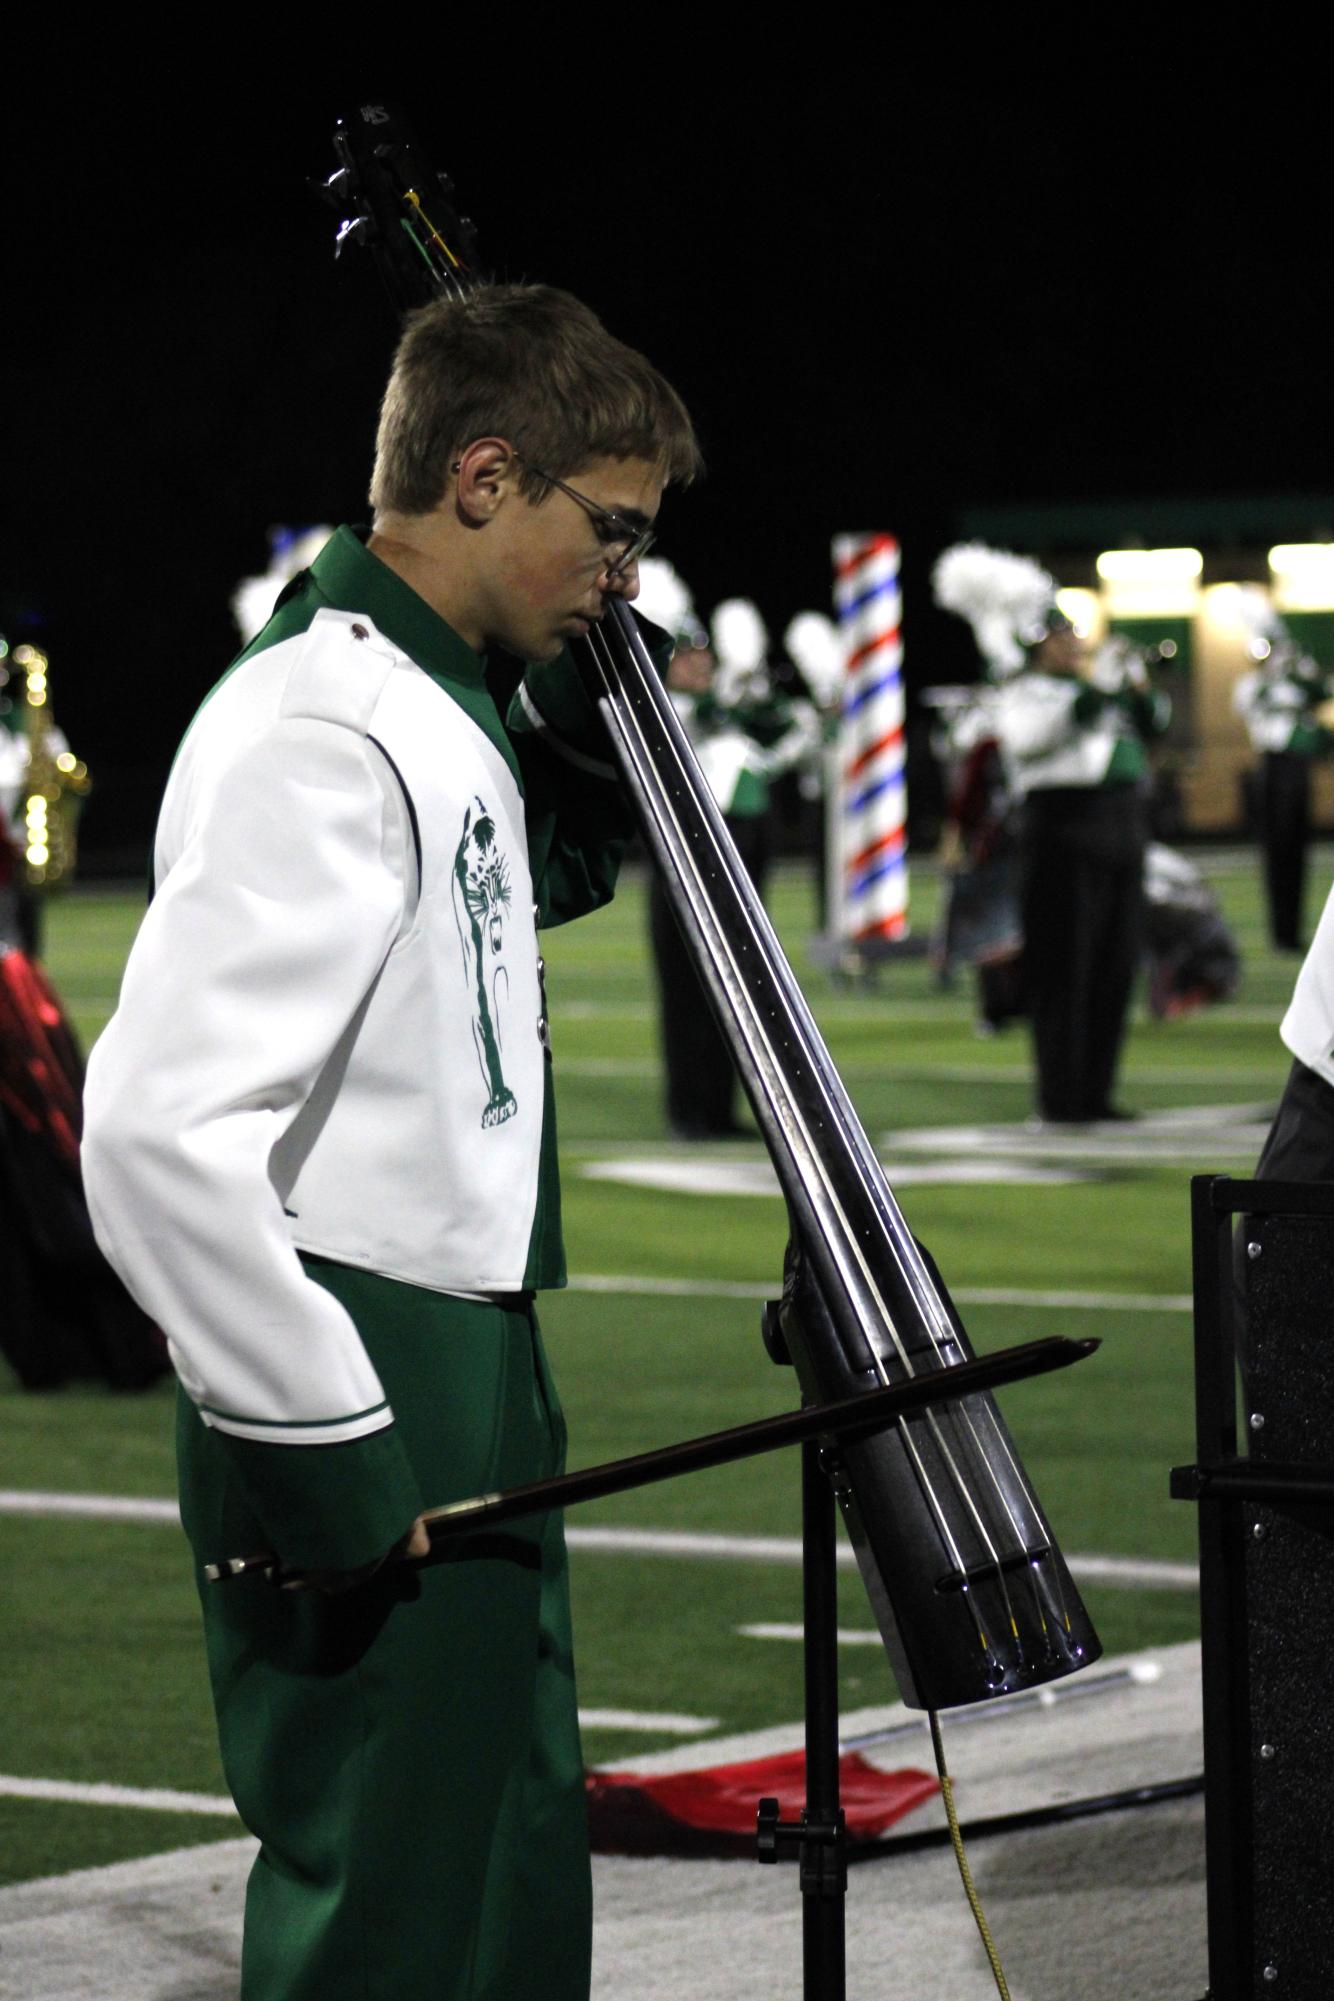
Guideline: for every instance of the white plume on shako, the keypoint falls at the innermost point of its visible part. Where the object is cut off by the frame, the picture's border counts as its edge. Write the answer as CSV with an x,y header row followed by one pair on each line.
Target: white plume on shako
x,y
1004,597
813,645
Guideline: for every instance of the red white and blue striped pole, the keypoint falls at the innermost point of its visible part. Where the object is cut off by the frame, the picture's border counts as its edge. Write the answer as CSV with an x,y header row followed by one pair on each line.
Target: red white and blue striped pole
x,y
869,864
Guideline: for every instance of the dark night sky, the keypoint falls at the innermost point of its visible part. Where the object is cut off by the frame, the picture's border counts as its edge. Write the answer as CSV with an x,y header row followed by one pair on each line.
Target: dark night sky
x,y
886,290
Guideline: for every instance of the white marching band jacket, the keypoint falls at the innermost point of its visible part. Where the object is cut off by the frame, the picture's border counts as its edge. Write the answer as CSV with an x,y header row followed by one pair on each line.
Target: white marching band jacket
x,y
1047,743
1308,1026
1043,743
338,975
1278,708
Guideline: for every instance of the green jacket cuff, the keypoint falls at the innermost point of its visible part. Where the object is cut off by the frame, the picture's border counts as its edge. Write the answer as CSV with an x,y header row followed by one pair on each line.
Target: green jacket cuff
x,y
328,1507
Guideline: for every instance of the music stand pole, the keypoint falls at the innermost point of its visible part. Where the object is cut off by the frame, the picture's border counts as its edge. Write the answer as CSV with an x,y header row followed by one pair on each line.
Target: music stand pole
x,y
824,1862
818,1841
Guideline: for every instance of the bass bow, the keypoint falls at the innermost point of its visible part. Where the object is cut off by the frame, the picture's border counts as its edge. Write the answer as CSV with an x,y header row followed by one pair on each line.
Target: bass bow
x,y
970,1591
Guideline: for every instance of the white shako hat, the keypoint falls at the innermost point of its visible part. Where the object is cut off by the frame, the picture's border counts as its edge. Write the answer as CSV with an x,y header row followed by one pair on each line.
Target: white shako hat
x,y
1009,600
740,636
665,600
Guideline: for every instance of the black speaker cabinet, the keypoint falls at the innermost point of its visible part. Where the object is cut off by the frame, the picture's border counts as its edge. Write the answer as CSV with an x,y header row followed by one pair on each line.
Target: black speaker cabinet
x,y
1264,1300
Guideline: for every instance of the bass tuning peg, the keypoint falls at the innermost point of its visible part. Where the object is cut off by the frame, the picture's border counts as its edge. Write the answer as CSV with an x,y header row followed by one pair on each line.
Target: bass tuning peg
x,y
337,190
357,229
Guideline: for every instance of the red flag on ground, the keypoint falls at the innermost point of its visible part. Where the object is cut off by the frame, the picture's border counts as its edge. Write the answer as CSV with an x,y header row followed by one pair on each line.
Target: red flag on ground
x,y
713,1811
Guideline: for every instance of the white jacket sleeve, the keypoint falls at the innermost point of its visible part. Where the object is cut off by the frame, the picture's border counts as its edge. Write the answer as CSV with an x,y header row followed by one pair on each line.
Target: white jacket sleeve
x,y
1308,1026
291,885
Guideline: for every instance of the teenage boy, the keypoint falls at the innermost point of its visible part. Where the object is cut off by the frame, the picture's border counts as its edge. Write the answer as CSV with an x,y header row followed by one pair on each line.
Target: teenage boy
x,y
321,1151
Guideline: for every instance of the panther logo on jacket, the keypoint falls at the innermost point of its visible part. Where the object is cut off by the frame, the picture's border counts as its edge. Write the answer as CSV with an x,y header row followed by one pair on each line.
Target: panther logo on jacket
x,y
481,890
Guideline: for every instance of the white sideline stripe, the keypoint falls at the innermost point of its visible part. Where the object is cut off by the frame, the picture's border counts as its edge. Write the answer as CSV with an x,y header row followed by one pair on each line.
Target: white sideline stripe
x,y
91,1507
964,1295
848,1636
679,1175
666,1720
1129,1572
1154,1573
158,1799
1133,1573
153,1798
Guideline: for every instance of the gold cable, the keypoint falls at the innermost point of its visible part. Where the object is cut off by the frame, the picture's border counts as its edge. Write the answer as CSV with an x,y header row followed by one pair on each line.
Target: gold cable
x,y
956,1841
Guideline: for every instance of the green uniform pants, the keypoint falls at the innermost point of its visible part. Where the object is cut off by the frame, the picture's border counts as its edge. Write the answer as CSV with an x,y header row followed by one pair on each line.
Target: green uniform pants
x,y
408,1754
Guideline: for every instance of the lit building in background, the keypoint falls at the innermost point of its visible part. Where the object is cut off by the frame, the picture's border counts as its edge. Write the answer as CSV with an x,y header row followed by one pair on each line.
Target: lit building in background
x,y
1167,574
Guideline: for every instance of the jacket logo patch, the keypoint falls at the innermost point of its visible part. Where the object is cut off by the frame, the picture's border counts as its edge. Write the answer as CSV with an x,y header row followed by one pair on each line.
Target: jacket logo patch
x,y
481,891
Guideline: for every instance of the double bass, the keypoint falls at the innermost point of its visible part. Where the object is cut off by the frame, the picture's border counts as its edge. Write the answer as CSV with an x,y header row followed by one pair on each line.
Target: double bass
x,y
971,1594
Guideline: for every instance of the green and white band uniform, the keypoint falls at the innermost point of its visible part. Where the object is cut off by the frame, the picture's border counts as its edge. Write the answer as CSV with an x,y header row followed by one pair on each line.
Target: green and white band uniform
x,y
321,1152
1057,731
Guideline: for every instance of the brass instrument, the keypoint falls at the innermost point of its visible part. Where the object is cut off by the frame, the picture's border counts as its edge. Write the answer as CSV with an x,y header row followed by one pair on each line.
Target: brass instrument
x,y
56,781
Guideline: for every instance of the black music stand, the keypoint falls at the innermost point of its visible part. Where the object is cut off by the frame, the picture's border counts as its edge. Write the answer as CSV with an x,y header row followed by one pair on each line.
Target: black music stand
x,y
818,1841
1266,1525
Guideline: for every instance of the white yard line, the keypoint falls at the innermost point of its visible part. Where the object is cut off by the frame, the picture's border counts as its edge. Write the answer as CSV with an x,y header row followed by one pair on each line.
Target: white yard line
x,y
751,1176
1130,1573
1126,1572
1131,1077
964,1295
161,1799
665,1721
848,1636
91,1507
153,1799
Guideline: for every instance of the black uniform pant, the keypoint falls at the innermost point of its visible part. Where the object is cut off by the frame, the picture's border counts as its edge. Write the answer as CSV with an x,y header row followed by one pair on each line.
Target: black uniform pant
x,y
1300,1146
1082,894
1285,819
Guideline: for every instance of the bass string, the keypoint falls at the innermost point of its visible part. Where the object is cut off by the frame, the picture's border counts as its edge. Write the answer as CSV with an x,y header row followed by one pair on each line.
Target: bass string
x,y
638,754
1006,1450
667,818
667,821
737,995
979,1523
801,1025
965,1417
763,940
667,813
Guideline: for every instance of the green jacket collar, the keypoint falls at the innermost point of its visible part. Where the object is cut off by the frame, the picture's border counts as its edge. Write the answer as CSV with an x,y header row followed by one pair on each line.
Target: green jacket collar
x,y
349,576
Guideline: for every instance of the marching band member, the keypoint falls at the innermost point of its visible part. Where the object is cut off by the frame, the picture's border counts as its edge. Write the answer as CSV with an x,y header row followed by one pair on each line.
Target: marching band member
x,y
980,921
64,1315
322,1151
1278,700
697,1066
1074,754
745,733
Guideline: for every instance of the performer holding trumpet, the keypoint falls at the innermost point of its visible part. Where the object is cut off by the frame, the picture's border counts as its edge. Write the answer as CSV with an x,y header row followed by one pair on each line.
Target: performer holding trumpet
x,y
321,1151
1073,745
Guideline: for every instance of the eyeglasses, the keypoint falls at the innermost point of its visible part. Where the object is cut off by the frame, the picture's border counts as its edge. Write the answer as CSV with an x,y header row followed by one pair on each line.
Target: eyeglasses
x,y
610,528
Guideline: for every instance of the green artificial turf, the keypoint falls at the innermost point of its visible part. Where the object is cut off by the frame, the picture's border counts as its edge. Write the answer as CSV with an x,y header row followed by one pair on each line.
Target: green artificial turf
x,y
101,1674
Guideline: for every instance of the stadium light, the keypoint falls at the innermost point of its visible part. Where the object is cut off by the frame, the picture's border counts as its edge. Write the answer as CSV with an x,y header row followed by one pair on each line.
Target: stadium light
x,y
1150,583
1303,574
1084,611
